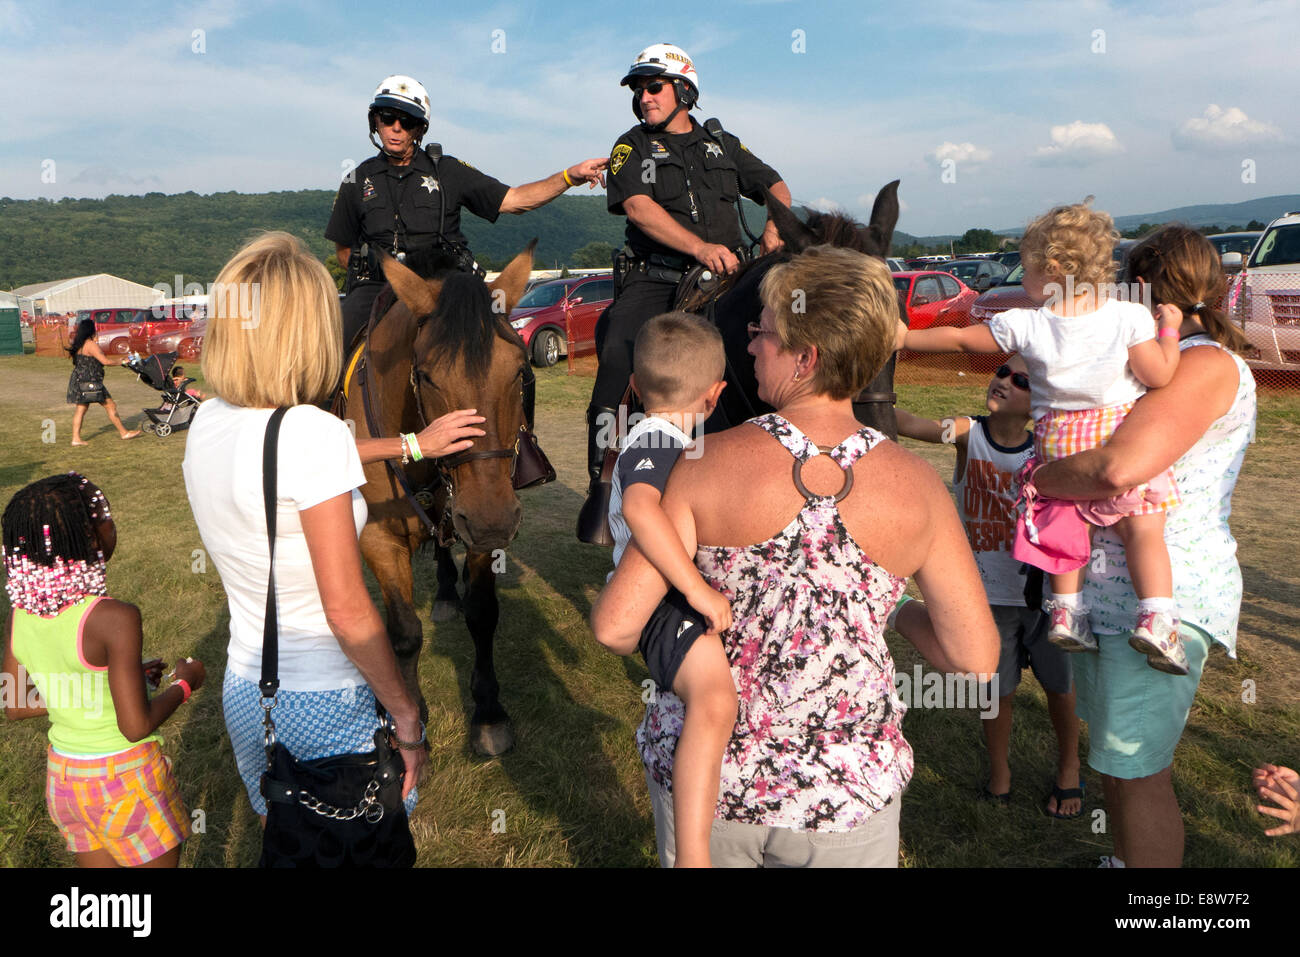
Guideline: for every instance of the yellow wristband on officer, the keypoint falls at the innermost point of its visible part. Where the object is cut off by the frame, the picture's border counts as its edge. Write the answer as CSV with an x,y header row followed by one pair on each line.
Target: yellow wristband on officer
x,y
569,182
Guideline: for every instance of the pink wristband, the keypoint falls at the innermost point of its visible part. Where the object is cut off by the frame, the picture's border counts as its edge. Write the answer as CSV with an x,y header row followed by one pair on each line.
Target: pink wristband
x,y
1166,333
185,688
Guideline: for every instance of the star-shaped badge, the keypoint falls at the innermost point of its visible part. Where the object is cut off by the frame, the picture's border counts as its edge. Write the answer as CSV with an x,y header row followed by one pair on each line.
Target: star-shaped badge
x,y
712,149
429,183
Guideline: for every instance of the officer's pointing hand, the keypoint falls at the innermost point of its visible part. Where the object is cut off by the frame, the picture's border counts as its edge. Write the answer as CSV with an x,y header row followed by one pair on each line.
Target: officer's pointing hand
x,y
720,260
590,171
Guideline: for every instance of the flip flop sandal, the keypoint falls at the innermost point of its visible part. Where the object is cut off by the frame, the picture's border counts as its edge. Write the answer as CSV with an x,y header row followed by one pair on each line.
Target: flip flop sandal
x,y
1002,800
1064,794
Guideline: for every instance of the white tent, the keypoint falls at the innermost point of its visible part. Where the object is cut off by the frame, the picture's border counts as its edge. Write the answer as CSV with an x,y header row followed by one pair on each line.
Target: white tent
x,y
87,292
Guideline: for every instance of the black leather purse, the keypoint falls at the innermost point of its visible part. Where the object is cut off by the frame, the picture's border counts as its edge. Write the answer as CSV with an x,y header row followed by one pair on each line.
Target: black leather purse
x,y
340,811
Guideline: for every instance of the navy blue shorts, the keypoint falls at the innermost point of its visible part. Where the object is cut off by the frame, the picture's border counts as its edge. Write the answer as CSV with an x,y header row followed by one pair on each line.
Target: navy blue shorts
x,y
668,635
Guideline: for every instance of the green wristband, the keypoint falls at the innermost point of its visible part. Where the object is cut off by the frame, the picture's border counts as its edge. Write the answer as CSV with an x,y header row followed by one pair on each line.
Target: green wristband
x,y
892,620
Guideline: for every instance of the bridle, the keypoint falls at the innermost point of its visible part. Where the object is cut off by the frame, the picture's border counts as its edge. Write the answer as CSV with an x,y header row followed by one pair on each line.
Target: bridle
x,y
421,499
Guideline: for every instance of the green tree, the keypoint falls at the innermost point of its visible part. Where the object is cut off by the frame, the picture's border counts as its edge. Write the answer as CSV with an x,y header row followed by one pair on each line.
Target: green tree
x,y
594,255
336,270
1255,224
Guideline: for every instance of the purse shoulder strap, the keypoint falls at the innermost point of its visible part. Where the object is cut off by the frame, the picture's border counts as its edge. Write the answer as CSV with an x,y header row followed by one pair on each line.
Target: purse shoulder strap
x,y
270,682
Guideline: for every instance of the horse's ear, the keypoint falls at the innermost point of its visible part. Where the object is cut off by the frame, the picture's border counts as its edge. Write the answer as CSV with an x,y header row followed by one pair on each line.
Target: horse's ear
x,y
513,279
796,236
879,233
417,294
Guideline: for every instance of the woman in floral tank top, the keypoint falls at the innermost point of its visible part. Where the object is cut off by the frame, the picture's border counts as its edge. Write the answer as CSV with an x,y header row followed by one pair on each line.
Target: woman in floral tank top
x,y
813,547
1201,424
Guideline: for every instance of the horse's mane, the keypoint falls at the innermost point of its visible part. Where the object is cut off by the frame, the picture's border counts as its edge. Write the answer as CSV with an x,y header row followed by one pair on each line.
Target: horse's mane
x,y
463,322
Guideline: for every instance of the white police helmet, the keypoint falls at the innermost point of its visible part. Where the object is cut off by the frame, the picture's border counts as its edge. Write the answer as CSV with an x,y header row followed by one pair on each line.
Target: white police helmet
x,y
671,63
402,93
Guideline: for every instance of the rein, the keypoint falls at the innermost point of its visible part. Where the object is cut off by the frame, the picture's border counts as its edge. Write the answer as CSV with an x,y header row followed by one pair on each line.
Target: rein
x,y
421,500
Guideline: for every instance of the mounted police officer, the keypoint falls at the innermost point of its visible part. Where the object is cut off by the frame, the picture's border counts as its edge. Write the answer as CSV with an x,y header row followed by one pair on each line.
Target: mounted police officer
x,y
406,201
679,185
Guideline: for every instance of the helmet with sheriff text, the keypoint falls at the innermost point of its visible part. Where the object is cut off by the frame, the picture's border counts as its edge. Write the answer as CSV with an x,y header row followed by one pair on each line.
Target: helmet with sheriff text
x,y
673,64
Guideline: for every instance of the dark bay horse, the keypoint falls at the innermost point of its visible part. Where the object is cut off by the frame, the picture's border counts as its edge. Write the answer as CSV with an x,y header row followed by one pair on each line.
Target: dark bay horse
x,y
444,344
738,305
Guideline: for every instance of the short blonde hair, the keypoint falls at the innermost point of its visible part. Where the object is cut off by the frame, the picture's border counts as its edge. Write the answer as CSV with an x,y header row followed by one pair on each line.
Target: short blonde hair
x,y
676,357
275,334
844,303
1072,241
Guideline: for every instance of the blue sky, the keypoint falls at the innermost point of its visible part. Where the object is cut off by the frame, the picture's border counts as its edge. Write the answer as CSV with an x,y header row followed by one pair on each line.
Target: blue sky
x,y
988,111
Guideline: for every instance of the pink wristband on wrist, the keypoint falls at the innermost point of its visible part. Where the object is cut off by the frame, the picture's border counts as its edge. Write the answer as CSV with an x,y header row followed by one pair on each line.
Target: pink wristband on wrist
x,y
1166,333
185,689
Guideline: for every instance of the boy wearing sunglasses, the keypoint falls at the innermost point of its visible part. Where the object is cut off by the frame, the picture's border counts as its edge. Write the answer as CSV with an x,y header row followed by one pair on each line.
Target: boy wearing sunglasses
x,y
991,449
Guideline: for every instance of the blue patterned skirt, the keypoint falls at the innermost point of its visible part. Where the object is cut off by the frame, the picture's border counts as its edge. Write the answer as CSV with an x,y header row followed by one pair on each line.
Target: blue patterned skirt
x,y
311,724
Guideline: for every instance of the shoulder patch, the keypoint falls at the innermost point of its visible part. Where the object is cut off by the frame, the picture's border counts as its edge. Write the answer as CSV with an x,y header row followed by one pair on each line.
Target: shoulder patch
x,y
616,159
463,163
743,147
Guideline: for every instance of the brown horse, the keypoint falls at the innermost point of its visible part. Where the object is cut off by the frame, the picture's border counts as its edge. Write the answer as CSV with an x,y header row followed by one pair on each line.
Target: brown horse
x,y
444,344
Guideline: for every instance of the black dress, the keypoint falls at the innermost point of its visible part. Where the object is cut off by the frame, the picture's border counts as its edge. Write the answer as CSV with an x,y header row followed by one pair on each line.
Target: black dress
x,y
89,370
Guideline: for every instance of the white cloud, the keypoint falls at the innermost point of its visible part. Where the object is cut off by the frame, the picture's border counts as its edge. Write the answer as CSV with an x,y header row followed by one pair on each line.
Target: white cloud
x,y
965,154
825,204
1078,144
1219,129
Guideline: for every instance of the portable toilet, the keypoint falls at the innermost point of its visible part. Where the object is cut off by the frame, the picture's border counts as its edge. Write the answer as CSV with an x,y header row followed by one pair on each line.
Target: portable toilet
x,y
11,333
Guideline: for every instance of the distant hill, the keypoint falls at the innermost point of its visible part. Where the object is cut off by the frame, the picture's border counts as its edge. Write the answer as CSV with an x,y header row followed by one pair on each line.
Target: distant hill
x,y
1266,209
151,238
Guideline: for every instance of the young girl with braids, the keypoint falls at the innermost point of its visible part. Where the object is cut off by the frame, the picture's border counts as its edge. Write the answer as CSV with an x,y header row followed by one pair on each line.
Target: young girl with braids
x,y
109,789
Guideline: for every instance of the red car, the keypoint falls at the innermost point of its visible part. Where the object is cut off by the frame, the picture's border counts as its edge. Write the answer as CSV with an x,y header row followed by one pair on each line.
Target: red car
x,y
161,320
551,312
934,299
186,341
112,327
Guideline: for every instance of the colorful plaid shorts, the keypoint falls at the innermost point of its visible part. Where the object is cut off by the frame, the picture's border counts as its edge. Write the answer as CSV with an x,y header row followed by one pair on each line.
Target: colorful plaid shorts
x,y
1060,433
127,803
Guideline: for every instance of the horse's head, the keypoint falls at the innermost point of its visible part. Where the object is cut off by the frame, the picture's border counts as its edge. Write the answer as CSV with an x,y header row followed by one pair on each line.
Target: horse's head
x,y
833,229
468,357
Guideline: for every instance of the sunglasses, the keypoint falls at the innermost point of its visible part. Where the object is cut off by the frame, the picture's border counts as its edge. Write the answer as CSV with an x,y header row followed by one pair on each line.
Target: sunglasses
x,y
755,329
655,87
1018,379
389,117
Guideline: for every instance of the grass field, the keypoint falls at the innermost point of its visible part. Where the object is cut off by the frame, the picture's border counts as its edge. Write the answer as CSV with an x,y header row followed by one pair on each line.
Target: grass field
x,y
572,792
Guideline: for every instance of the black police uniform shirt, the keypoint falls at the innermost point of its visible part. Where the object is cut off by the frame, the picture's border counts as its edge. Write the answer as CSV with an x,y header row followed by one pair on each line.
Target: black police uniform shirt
x,y
364,208
659,165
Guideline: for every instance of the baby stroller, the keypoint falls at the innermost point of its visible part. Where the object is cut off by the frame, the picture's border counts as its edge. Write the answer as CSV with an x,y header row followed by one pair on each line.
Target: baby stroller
x,y
177,407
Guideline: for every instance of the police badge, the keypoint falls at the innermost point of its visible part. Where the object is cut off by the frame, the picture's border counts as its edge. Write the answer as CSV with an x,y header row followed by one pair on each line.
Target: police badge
x,y
619,157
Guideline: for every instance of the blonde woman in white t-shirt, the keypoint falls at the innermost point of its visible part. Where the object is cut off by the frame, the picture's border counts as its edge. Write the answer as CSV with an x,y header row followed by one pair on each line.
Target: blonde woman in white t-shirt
x,y
1090,356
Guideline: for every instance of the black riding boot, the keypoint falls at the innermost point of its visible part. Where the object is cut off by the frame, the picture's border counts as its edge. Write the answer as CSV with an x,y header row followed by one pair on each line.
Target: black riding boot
x,y
593,520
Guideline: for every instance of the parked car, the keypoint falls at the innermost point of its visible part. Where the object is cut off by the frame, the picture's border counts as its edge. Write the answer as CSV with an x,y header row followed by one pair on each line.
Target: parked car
x,y
979,274
112,327
1234,248
162,319
896,265
187,341
1265,297
552,311
934,299
1010,259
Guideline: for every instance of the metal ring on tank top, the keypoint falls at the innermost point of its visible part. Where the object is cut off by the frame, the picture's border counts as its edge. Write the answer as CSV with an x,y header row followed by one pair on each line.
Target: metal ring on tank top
x,y
803,489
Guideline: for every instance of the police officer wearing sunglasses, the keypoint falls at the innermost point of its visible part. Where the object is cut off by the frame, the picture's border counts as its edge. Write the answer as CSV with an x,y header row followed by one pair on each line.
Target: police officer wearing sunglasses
x,y
406,201
679,185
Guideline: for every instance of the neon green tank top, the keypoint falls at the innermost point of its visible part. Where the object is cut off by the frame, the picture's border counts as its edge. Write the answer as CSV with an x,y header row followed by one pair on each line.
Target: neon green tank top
x,y
83,720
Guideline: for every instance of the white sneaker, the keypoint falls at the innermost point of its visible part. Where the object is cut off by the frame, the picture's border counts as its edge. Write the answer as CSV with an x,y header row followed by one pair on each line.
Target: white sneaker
x,y
1156,636
1070,630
